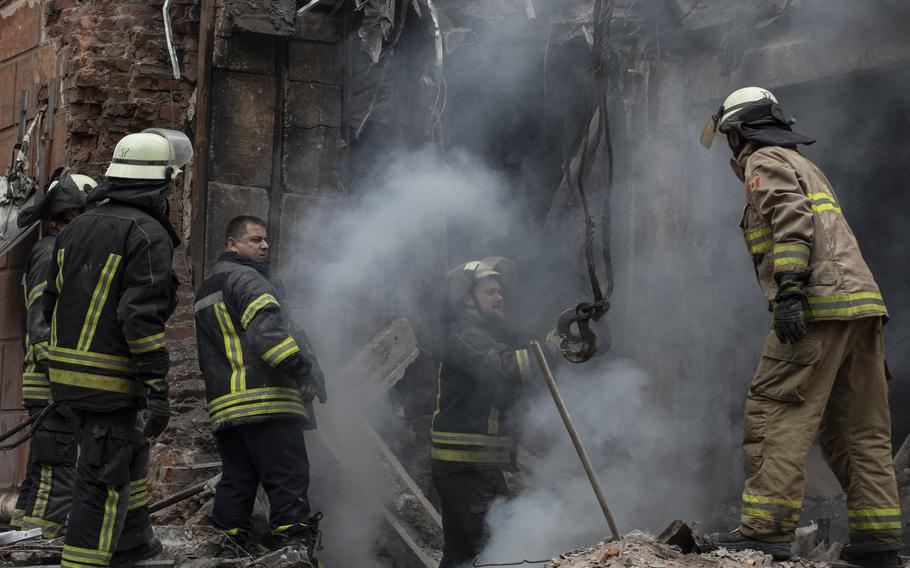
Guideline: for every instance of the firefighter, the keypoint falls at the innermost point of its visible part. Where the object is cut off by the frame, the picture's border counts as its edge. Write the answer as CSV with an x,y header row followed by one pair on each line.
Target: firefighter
x,y
484,368
822,370
46,492
110,291
259,386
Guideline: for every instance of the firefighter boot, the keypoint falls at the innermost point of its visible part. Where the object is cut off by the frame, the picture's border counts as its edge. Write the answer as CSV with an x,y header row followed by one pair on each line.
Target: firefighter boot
x,y
880,559
126,558
736,540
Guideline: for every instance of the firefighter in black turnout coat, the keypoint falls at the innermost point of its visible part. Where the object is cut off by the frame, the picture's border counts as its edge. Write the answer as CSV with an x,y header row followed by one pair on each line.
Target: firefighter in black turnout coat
x,y
47,490
485,367
109,293
259,380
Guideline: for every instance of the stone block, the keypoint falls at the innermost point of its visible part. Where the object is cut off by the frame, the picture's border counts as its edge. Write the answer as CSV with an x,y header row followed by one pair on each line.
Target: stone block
x,y
243,118
313,26
12,464
308,105
315,62
312,161
381,364
225,202
247,52
305,239
271,17
20,29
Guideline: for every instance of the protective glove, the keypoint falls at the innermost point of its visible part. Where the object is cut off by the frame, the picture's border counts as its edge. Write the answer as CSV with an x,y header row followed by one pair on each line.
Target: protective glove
x,y
308,392
159,414
789,306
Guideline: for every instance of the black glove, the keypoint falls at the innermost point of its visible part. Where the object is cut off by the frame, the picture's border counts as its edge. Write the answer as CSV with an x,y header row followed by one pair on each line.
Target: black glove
x,y
789,306
159,414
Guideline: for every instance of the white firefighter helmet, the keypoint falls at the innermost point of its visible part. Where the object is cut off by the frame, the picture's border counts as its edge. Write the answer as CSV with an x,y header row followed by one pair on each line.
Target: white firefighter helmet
x,y
461,279
83,182
721,121
154,153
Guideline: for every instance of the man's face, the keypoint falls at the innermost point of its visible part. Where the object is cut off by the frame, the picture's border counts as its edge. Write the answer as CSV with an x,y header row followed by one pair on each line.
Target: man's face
x,y
253,245
487,298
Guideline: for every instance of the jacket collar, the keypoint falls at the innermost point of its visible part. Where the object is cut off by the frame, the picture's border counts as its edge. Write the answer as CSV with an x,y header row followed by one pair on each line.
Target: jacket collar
x,y
262,267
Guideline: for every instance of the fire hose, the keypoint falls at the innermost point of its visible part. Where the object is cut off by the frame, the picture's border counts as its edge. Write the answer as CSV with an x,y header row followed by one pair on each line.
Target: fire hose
x,y
34,421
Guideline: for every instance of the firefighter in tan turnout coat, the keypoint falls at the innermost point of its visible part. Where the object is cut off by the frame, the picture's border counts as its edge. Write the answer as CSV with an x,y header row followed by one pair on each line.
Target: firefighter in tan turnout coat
x,y
822,370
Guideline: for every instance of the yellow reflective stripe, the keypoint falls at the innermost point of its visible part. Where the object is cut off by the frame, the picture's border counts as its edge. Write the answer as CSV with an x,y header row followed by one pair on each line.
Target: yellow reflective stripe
x,y
748,498
493,422
458,439
78,556
99,297
60,255
470,456
253,308
253,395
106,539
35,293
284,528
157,385
91,359
280,352
259,409
232,347
40,350
846,304
824,202
752,512
49,529
146,344
886,512
98,382
524,364
875,525
754,235
43,495
791,255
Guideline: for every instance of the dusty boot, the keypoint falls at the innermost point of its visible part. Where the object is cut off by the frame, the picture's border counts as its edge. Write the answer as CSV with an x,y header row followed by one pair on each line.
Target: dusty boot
x,y
304,535
126,558
881,559
736,540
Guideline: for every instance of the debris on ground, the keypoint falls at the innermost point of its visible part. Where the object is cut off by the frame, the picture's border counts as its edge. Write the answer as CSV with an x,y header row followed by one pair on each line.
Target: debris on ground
x,y
641,550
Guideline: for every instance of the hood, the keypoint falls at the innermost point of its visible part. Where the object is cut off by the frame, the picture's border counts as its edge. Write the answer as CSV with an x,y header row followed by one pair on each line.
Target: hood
x,y
149,196
66,194
263,268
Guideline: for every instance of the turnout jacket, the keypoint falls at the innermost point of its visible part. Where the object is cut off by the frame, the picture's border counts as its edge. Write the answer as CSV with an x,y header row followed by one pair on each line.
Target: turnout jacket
x,y
109,293
481,376
36,387
793,221
253,366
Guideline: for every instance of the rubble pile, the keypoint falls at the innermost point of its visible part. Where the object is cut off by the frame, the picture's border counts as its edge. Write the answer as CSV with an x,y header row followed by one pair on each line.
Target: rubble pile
x,y
641,550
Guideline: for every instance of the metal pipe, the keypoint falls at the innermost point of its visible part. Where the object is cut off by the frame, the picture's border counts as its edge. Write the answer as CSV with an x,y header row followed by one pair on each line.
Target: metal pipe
x,y
169,36
309,6
582,454
208,485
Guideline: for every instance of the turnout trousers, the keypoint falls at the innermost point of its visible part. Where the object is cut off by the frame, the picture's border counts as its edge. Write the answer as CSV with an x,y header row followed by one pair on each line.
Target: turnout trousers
x,y
831,384
271,453
47,490
465,496
110,499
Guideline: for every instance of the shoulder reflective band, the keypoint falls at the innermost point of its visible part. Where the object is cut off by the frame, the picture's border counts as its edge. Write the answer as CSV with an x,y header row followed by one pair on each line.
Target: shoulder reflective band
x,y
253,308
824,202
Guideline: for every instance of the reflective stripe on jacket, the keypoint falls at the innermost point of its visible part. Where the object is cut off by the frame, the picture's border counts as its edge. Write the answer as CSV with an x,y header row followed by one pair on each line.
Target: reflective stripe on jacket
x,y
480,377
109,293
253,366
793,221
36,387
